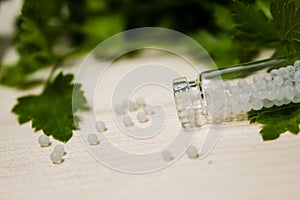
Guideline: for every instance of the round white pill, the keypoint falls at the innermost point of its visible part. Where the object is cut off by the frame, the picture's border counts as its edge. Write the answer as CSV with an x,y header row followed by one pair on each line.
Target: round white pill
x,y
141,117
167,155
148,110
283,72
140,102
277,81
257,104
44,140
56,157
242,83
130,105
297,64
93,139
127,121
100,126
120,110
192,152
59,149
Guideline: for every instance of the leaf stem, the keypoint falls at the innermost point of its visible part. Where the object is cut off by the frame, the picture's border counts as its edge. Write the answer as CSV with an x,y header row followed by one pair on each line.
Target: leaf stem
x,y
58,62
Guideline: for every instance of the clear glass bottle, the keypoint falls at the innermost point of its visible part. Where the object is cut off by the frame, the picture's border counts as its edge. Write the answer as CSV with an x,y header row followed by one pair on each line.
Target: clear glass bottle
x,y
229,93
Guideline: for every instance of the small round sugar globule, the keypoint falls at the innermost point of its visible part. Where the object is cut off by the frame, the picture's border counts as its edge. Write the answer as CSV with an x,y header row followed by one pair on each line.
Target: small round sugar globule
x,y
141,117
44,140
167,155
59,149
93,139
127,121
148,110
100,126
192,152
140,102
132,106
56,157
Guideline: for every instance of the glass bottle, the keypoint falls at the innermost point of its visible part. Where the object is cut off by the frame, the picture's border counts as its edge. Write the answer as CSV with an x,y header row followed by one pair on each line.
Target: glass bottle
x,y
227,94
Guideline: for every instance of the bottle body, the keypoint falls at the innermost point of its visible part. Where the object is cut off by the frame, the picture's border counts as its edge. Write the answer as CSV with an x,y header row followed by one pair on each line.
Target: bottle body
x,y
228,94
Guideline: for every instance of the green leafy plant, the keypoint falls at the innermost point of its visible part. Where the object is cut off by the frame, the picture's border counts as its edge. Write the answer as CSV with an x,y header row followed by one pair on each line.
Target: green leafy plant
x,y
277,120
52,110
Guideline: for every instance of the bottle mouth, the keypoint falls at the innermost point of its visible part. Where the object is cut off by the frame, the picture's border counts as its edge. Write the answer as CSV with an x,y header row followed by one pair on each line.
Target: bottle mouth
x,y
188,99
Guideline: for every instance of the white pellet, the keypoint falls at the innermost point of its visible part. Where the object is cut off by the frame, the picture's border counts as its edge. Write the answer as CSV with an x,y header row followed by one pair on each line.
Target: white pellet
x,y
130,105
120,109
278,80
291,69
59,149
235,91
93,139
257,104
127,121
267,103
167,155
44,140
192,152
283,72
227,86
141,117
100,126
297,75
242,83
279,102
244,97
140,102
297,64
56,157
148,110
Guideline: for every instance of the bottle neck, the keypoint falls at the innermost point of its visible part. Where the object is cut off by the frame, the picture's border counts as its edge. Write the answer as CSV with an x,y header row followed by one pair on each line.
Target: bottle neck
x,y
189,102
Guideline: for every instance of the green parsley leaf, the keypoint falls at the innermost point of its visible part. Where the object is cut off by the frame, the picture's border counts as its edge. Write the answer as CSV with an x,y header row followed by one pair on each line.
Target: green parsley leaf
x,y
252,27
34,51
277,120
286,18
255,29
52,110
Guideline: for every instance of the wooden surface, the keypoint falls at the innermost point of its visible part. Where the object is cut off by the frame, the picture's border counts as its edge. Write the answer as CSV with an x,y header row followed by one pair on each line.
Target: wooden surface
x,y
241,166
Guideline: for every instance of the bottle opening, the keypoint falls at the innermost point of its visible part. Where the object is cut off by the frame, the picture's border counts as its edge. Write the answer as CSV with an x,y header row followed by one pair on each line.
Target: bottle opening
x,y
188,99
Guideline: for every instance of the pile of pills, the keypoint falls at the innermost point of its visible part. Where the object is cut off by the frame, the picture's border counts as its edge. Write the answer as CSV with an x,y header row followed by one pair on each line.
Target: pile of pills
x,y
138,107
93,138
276,88
57,155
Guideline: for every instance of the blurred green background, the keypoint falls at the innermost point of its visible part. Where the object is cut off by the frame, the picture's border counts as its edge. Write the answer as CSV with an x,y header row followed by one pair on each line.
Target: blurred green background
x,y
49,32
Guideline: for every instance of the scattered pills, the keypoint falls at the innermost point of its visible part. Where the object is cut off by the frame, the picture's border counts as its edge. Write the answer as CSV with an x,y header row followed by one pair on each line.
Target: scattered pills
x,y
192,152
56,157
44,140
93,139
100,126
127,121
60,149
167,155
141,117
